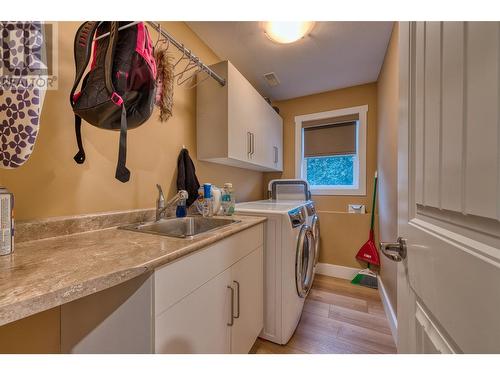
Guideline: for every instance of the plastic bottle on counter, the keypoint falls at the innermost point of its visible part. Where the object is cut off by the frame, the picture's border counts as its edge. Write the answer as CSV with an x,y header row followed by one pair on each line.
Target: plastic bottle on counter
x,y
208,209
228,201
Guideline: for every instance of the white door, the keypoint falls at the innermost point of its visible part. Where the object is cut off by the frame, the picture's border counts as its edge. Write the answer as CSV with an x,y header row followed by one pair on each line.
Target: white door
x,y
449,187
248,310
244,115
262,133
198,323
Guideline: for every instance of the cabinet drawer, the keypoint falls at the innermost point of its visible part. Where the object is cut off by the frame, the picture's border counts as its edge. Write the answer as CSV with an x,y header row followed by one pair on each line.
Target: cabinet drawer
x,y
176,280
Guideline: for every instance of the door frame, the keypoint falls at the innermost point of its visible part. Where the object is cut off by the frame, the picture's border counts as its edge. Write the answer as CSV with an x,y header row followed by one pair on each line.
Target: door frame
x,y
406,300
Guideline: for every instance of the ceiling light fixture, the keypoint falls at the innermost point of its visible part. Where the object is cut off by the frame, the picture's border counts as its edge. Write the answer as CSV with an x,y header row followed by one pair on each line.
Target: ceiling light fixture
x,y
287,32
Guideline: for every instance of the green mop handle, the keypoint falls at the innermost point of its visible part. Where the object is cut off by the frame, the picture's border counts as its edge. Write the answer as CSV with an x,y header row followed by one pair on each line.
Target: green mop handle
x,y
372,223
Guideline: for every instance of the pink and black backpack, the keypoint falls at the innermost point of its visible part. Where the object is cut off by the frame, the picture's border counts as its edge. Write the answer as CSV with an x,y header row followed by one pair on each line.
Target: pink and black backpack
x,y
119,90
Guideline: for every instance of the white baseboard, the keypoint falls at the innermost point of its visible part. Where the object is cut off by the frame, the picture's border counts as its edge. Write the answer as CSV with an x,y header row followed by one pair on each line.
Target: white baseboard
x,y
389,310
334,270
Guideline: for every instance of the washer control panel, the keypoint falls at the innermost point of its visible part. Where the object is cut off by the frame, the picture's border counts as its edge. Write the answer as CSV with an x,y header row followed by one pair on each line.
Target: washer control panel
x,y
297,216
311,209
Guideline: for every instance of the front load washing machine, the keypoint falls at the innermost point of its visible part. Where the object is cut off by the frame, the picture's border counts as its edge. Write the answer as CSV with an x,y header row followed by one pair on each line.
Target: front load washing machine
x,y
289,259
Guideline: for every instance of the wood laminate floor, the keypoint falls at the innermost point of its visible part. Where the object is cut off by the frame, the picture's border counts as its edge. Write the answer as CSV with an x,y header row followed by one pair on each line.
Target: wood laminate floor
x,y
338,317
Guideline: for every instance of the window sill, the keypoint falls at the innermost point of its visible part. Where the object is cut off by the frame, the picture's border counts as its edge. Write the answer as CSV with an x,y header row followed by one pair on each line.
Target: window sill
x,y
315,190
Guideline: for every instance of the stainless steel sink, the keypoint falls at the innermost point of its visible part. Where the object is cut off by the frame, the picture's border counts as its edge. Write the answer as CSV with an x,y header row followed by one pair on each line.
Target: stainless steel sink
x,y
184,227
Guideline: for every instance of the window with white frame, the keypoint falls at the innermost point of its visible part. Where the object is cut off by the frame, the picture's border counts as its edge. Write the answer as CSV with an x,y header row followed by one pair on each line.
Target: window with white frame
x,y
331,151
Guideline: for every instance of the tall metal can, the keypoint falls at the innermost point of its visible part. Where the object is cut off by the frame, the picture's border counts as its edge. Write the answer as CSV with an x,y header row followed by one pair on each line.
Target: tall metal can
x,y
6,221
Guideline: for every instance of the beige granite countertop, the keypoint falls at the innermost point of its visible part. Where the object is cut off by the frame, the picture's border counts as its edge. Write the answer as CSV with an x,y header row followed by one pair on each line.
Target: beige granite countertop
x,y
46,273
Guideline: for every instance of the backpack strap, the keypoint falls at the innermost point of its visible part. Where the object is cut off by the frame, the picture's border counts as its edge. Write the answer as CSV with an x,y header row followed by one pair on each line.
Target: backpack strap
x,y
82,52
108,59
122,173
80,155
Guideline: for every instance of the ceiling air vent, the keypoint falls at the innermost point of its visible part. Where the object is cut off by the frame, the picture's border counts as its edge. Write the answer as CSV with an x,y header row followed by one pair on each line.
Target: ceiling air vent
x,y
272,79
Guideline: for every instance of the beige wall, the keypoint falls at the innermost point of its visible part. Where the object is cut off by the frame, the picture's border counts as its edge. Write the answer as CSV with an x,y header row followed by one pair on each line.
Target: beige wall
x,y
387,145
342,234
52,184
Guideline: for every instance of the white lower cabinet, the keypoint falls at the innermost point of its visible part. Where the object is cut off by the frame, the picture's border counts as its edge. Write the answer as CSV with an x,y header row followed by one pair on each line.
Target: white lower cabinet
x,y
197,323
204,322
247,278
218,303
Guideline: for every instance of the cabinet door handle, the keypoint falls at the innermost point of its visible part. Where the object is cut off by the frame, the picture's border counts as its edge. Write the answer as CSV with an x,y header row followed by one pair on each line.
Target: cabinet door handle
x,y
237,298
275,154
249,144
231,322
253,143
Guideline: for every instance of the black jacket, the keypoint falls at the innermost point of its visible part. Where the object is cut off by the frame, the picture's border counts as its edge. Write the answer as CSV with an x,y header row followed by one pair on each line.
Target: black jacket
x,y
186,176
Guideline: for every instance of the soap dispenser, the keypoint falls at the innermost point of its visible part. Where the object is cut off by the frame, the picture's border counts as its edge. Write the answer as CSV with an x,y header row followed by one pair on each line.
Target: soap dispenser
x,y
181,210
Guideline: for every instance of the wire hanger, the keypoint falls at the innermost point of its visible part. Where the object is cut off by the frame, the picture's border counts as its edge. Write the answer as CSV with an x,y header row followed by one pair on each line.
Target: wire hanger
x,y
167,42
207,76
182,57
161,38
192,64
200,69
159,35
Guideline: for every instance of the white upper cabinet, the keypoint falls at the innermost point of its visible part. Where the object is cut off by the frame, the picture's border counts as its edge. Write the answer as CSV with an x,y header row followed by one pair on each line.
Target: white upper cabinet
x,y
235,125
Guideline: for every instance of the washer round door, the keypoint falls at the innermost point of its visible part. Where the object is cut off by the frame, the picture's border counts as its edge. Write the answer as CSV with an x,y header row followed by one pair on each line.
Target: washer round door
x,y
304,261
315,231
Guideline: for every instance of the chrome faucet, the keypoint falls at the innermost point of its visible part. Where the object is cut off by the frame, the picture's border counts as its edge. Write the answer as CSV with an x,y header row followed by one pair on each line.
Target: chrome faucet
x,y
162,206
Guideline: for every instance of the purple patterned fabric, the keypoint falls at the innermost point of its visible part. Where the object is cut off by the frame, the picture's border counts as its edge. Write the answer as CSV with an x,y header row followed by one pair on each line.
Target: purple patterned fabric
x,y
20,104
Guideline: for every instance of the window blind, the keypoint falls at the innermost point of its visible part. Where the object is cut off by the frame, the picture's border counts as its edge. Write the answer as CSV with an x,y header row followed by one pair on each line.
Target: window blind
x,y
331,120
330,138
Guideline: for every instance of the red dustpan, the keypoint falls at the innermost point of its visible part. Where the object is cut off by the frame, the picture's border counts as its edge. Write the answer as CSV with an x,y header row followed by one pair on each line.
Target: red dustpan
x,y
368,252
